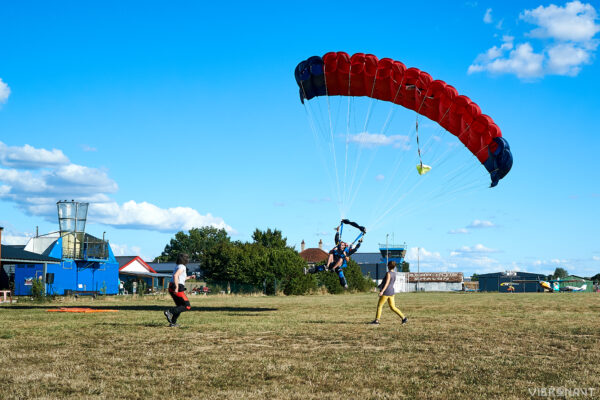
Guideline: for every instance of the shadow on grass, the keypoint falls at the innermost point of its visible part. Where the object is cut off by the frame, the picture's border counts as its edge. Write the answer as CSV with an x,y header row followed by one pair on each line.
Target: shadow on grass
x,y
334,322
145,308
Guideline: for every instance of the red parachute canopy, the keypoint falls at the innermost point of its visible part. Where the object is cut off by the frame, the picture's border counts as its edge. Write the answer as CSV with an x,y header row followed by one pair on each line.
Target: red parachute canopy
x,y
388,80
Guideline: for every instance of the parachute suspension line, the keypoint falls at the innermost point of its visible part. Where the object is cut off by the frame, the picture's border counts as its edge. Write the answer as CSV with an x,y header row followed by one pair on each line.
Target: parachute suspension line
x,y
439,133
364,130
319,148
384,129
417,134
353,192
406,174
315,131
347,139
392,108
404,195
418,204
337,178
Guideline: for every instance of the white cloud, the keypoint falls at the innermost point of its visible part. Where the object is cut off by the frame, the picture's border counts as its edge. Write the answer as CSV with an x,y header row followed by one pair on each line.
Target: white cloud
x,y
39,178
567,59
568,44
28,157
422,254
596,258
487,18
477,224
64,182
144,215
19,239
427,260
477,249
88,148
575,22
126,250
379,177
4,92
377,139
522,62
81,180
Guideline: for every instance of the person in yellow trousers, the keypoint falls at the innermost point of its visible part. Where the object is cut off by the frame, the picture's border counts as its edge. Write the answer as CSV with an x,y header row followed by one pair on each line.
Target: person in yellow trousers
x,y
387,294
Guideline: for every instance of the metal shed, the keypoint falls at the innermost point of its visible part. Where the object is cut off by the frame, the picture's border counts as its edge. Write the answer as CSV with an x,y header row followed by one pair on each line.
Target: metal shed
x,y
492,282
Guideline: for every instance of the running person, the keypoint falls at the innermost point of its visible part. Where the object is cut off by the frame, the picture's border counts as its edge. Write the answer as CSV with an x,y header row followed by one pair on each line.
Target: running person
x,y
387,294
338,258
177,290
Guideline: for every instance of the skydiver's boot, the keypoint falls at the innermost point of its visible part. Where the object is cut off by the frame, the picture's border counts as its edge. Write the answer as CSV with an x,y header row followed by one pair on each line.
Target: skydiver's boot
x,y
314,269
340,273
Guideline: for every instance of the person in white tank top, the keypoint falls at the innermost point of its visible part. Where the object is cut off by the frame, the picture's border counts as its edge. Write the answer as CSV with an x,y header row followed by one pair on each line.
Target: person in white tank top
x,y
177,290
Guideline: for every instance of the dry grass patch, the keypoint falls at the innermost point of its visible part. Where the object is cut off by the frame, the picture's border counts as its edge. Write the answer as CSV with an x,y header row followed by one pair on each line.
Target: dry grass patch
x,y
311,347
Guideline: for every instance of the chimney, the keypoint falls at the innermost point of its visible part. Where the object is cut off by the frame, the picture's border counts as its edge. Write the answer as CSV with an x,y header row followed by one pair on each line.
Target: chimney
x,y
302,245
321,244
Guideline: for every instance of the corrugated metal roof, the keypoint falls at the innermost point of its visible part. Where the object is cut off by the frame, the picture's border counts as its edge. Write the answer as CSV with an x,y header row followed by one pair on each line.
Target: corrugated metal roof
x,y
516,275
435,276
366,258
137,273
170,266
122,260
18,255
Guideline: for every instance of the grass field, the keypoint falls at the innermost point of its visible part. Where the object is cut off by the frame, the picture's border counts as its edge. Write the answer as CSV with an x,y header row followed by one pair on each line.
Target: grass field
x,y
456,345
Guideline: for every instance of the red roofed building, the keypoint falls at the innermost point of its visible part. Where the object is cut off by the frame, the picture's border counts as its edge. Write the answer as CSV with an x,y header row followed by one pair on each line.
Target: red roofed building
x,y
136,269
313,255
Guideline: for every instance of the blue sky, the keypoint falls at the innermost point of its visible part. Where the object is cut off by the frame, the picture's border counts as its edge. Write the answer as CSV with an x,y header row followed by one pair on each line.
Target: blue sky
x,y
167,117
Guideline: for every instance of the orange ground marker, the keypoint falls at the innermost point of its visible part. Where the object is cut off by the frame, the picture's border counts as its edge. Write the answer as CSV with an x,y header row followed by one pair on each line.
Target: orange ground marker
x,y
79,310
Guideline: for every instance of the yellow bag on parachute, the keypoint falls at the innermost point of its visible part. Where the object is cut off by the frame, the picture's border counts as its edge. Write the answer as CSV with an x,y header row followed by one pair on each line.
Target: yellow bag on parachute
x,y
422,169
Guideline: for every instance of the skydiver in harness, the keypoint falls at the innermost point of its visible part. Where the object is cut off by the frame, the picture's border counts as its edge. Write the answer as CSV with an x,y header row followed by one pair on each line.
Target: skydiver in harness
x,y
340,254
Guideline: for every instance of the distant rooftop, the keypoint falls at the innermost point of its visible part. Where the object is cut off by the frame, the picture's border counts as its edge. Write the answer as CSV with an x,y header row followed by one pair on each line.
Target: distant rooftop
x,y
313,255
17,254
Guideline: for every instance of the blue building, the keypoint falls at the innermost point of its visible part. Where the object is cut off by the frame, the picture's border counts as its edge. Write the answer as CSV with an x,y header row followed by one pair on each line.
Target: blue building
x,y
87,264
493,282
375,264
21,267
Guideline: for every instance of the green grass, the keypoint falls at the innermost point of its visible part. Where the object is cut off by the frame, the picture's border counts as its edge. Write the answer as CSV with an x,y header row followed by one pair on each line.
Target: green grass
x,y
455,345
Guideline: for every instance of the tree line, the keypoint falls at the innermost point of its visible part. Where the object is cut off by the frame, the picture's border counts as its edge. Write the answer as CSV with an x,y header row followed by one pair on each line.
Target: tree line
x,y
267,261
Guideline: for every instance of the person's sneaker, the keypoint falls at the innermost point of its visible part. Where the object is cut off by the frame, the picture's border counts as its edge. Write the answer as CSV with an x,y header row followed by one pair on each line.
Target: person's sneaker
x,y
404,320
346,286
375,322
169,316
174,326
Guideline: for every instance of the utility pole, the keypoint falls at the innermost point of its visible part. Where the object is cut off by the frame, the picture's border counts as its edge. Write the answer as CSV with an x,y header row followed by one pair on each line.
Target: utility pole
x,y
387,249
418,268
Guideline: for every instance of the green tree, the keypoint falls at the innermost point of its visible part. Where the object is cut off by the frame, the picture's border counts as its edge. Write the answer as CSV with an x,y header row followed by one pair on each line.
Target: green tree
x,y
356,280
474,277
37,289
560,273
270,238
405,267
255,264
195,243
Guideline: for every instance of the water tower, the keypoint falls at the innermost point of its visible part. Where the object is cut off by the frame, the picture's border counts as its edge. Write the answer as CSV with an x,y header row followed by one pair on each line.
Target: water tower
x,y
392,252
77,245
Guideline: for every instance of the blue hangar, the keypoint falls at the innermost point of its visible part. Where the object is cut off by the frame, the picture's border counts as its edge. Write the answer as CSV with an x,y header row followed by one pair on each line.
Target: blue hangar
x,y
87,265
